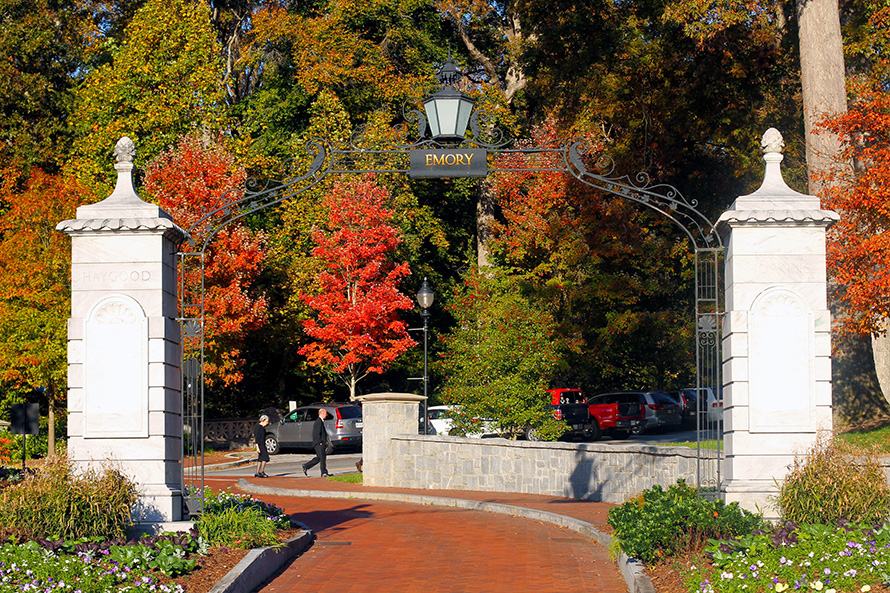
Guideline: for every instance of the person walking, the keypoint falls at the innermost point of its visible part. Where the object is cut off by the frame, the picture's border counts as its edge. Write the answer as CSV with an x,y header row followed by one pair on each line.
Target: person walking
x,y
259,435
320,444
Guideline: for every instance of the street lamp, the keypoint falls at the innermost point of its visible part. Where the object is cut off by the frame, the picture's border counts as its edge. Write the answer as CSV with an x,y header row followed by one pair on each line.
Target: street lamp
x,y
425,299
448,110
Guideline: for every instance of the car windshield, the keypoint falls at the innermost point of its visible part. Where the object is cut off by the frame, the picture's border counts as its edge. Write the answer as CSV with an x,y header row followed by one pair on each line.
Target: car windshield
x,y
571,397
662,399
350,412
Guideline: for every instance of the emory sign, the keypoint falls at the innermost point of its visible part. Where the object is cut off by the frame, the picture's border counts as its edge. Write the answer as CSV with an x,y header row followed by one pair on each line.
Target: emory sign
x,y
448,163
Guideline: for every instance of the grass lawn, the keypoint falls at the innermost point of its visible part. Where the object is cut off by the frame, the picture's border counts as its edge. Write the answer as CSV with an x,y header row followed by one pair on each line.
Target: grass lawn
x,y
873,436
354,478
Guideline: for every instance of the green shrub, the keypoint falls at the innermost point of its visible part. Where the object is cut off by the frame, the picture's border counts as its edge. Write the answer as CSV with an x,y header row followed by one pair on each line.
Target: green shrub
x,y
661,523
236,527
55,502
834,481
217,502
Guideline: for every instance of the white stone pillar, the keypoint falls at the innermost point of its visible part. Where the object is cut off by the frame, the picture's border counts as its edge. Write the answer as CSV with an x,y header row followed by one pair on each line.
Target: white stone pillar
x,y
777,333
385,415
124,397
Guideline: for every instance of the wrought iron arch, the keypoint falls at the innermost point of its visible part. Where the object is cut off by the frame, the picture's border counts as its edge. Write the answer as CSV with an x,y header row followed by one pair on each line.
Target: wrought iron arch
x,y
366,153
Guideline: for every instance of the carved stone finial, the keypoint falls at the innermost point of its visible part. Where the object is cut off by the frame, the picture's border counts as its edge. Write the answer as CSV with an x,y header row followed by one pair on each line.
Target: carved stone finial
x,y
772,141
125,150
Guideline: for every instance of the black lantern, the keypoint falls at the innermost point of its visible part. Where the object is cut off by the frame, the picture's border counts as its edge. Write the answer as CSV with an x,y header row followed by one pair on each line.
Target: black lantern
x,y
448,111
425,298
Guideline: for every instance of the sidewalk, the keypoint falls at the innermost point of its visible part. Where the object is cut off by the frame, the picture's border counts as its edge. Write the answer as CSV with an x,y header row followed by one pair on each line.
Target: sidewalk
x,y
372,540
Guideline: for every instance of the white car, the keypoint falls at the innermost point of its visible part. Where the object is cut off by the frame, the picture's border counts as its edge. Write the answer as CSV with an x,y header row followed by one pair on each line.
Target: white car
x,y
440,419
711,403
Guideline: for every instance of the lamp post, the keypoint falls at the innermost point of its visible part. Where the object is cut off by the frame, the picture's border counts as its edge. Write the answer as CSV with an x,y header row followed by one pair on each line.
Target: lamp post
x,y
448,110
425,299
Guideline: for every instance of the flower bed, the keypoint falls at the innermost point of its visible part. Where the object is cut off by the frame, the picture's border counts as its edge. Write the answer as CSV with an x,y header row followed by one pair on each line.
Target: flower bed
x,y
183,562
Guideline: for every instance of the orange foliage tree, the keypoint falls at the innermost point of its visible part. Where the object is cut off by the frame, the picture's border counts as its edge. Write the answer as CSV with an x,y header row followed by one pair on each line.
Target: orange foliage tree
x,y
357,330
189,181
35,284
858,247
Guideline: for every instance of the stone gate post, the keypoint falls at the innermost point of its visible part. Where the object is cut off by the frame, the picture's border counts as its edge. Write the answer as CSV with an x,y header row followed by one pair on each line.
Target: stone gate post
x,y
385,415
777,333
123,343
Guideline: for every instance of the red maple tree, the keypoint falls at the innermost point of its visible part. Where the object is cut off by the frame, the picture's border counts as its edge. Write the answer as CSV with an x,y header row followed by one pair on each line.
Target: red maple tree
x,y
357,330
190,180
858,187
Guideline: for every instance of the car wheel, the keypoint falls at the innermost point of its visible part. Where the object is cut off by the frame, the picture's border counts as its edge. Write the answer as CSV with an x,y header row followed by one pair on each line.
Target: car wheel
x,y
532,434
593,432
620,435
272,445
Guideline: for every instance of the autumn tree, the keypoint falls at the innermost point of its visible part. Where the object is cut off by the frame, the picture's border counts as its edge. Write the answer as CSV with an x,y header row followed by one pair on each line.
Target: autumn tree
x,y
162,82
615,277
35,286
500,357
357,329
189,181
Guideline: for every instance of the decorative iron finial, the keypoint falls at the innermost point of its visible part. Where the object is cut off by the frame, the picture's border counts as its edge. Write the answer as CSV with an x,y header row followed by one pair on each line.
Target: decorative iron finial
x,y
772,141
125,151
449,75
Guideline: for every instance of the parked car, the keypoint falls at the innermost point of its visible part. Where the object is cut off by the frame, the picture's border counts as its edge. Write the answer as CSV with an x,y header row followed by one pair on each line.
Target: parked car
x,y
344,426
661,412
711,404
615,415
570,406
688,401
442,418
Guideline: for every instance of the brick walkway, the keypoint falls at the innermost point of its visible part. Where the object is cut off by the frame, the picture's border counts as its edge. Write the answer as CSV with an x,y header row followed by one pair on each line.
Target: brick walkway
x,y
367,546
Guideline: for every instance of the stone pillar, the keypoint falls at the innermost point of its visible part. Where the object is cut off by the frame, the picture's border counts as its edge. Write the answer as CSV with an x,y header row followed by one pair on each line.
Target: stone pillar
x,y
385,415
124,397
777,333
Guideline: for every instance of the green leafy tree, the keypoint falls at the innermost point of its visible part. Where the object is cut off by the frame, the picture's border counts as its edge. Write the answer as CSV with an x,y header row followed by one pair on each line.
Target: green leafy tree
x,y
679,89
500,357
163,81
43,47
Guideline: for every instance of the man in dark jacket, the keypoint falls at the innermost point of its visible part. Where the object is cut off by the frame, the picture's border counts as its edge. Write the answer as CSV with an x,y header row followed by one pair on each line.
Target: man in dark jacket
x,y
319,443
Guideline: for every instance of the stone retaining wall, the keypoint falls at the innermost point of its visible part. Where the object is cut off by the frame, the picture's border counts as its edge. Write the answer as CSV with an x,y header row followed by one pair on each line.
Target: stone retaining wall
x,y
589,471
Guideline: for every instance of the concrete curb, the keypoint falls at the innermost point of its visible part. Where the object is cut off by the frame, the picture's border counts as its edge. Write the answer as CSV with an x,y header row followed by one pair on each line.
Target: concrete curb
x,y
637,581
229,464
256,567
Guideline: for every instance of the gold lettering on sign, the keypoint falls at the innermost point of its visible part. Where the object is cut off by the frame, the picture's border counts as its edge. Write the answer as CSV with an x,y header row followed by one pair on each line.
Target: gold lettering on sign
x,y
449,160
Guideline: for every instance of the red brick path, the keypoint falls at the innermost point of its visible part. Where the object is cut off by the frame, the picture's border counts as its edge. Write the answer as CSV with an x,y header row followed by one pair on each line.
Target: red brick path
x,y
366,546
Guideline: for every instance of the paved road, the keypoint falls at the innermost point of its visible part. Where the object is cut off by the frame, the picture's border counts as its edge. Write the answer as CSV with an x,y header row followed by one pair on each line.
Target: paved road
x,y
291,465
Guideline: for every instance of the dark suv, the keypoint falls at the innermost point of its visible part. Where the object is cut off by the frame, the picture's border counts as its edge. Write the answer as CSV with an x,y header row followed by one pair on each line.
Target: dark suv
x,y
688,402
344,426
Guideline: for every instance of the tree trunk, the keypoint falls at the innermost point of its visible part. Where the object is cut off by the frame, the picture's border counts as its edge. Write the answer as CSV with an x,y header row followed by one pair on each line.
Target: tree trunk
x,y
51,426
822,80
484,218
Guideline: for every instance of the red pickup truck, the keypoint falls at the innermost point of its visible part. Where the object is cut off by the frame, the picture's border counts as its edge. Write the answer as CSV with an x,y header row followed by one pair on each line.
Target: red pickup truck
x,y
614,414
